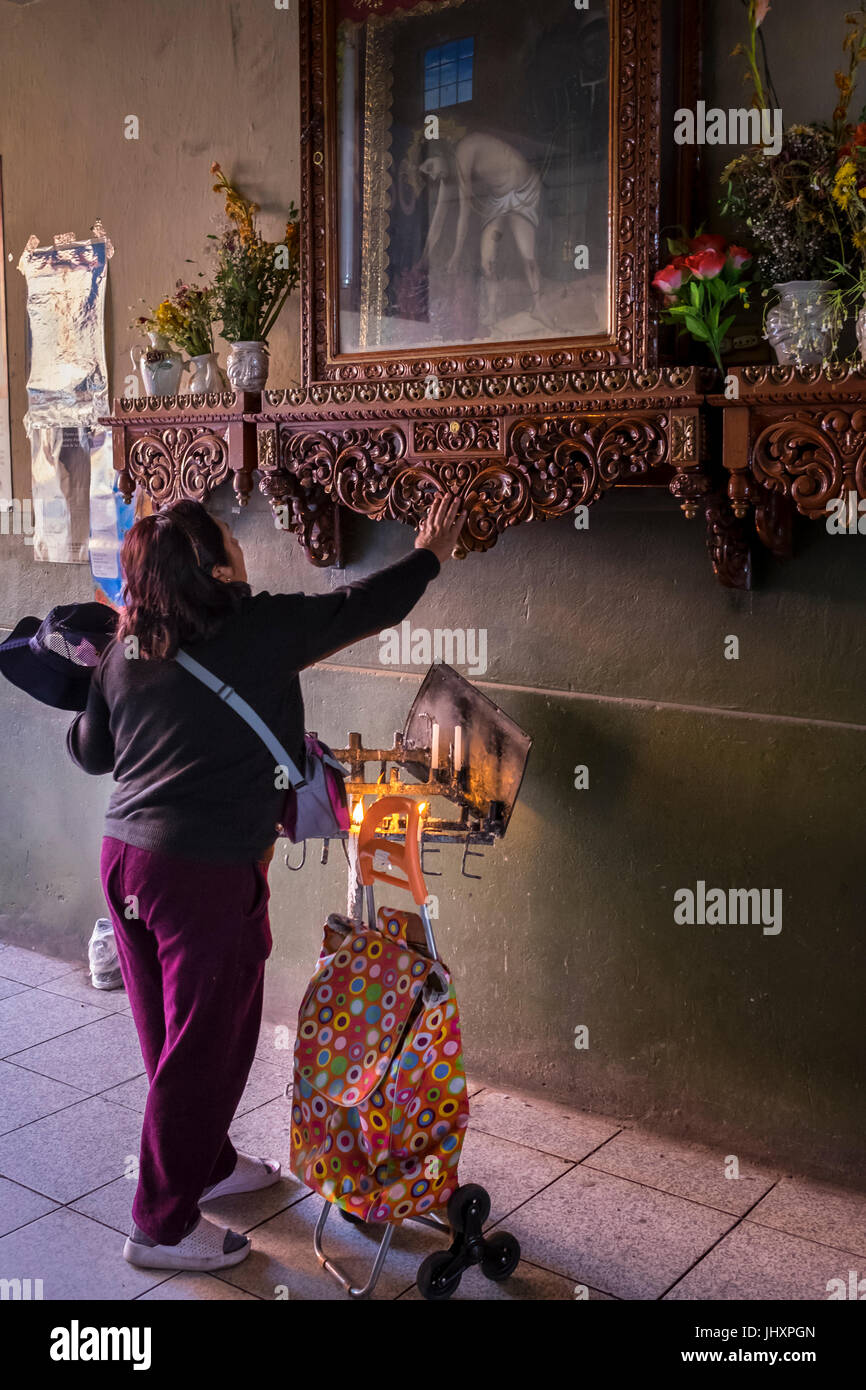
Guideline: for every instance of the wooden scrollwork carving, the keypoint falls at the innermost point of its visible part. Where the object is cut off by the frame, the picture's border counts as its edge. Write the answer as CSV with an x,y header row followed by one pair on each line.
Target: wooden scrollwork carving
x,y
727,543
813,458
794,442
571,462
178,462
456,436
298,496
546,466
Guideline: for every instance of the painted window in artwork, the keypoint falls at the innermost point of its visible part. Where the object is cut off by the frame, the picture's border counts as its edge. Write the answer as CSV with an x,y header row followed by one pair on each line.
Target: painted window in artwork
x,y
448,73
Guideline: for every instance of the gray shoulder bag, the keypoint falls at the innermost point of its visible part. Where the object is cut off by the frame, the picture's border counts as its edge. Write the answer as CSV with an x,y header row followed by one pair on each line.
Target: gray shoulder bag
x,y
316,805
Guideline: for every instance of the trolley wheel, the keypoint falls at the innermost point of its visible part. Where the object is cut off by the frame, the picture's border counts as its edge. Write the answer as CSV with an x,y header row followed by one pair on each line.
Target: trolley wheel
x,y
501,1256
432,1283
350,1216
460,1202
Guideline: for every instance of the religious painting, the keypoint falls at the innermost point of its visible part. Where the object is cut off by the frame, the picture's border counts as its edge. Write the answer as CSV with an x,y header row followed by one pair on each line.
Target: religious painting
x,y
473,153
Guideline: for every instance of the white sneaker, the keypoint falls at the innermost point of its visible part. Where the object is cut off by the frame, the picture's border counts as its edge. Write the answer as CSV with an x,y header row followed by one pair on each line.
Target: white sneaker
x,y
207,1246
248,1175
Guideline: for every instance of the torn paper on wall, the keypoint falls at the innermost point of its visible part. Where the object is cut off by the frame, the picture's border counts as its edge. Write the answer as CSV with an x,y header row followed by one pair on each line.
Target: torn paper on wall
x,y
67,388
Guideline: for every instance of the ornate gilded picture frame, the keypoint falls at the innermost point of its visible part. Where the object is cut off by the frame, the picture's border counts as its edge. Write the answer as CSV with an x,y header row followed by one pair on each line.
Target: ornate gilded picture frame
x,y
5,437
480,180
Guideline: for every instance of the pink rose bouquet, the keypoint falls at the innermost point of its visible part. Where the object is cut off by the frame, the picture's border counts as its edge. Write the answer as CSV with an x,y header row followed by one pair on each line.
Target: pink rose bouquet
x,y
706,277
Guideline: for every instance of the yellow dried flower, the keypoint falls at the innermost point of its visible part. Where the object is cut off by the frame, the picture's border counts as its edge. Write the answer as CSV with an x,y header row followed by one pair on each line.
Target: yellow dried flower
x,y
239,209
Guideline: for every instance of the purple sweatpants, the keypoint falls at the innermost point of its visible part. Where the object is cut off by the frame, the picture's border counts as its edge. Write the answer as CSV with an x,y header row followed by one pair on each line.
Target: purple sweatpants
x,y
193,939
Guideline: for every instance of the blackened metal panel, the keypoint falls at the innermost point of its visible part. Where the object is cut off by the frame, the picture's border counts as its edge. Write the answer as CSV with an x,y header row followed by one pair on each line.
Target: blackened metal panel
x,y
495,749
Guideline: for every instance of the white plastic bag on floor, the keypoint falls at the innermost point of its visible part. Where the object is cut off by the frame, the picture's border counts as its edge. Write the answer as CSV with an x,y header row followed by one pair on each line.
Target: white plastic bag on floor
x,y
102,956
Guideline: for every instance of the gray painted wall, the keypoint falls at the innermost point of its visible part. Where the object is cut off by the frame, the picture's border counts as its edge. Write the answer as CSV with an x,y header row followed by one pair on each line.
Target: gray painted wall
x,y
608,645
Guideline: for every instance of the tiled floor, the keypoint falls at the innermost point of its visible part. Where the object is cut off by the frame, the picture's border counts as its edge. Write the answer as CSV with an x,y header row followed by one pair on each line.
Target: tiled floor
x,y
601,1209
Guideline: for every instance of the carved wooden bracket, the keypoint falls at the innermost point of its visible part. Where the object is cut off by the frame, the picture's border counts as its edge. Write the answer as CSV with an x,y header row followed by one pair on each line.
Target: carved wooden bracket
x,y
185,445
727,542
794,440
300,502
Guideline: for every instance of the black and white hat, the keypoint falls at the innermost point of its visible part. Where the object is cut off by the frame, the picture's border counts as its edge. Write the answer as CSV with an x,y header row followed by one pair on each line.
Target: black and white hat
x,y
53,659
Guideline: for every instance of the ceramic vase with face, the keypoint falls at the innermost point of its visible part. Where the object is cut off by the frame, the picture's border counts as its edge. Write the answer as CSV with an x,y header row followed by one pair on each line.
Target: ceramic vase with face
x,y
247,366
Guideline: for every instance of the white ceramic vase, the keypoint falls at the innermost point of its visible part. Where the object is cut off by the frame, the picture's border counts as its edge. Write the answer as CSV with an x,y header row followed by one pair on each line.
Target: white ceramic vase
x,y
799,327
205,375
247,366
159,366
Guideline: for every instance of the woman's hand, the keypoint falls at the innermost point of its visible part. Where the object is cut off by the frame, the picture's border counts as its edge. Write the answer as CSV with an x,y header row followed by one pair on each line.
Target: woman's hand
x,y
440,529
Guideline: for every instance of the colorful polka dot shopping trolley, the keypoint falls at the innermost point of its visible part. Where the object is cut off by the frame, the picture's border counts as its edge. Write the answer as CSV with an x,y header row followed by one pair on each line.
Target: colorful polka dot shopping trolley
x,y
379,1103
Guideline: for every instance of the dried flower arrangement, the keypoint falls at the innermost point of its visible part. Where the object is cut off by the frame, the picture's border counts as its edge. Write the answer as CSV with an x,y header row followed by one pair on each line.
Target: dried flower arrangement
x,y
789,204
785,205
254,277
184,319
848,184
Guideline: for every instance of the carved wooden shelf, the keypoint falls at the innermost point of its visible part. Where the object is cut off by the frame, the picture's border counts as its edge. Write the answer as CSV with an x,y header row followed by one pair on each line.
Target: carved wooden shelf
x,y
794,441
516,446
184,445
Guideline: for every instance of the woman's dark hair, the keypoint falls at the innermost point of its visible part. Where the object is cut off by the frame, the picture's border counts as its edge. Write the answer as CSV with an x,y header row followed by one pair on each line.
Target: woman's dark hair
x,y
170,593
